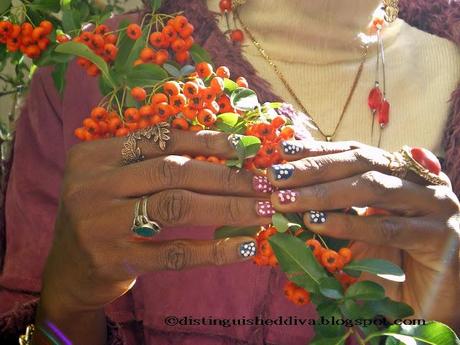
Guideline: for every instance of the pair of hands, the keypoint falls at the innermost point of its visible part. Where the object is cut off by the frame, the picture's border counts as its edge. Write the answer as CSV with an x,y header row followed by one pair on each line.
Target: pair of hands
x,y
95,259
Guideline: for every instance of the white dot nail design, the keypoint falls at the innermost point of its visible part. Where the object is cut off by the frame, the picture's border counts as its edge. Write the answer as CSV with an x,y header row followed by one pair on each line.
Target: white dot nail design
x,y
291,148
265,209
287,196
317,217
261,184
248,249
282,171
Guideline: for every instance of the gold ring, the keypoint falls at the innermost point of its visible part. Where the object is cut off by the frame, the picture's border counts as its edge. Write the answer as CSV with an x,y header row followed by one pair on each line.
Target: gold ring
x,y
131,153
402,162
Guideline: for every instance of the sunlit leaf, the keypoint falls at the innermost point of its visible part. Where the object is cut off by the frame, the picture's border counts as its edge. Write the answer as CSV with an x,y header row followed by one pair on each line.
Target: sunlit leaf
x,y
382,268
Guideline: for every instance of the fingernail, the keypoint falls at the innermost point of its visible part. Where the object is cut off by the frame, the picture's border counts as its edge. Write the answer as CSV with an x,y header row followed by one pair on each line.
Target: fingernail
x,y
265,209
234,139
291,147
248,249
287,196
317,217
261,184
282,171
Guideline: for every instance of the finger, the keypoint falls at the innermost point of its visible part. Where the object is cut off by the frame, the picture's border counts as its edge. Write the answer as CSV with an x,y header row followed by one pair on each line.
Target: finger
x,y
178,172
182,254
207,143
331,167
369,189
293,150
397,232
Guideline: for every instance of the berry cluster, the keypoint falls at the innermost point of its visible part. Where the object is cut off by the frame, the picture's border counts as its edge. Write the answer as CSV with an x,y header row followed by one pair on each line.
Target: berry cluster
x,y
236,35
102,42
191,105
30,40
270,135
174,39
264,254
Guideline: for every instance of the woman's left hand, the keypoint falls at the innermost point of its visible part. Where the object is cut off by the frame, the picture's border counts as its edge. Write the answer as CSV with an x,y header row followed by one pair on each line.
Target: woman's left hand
x,y
421,234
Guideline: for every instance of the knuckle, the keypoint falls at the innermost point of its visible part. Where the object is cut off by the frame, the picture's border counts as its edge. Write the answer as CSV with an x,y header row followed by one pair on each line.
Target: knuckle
x,y
165,174
233,210
449,201
311,165
172,207
389,229
177,255
229,179
319,192
210,141
375,181
218,253
365,157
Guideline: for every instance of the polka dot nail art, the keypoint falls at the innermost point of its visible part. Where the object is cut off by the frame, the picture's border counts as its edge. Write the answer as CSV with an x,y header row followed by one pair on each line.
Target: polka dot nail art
x,y
287,196
317,217
248,249
291,147
282,171
262,185
265,209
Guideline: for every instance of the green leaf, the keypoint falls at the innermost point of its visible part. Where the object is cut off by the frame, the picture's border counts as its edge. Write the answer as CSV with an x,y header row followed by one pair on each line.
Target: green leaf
x,y
365,290
295,259
59,76
172,70
234,163
146,75
328,341
156,4
130,101
331,288
227,122
229,231
199,54
71,19
128,49
432,332
382,268
229,86
79,49
186,70
248,146
4,5
244,99
389,308
282,224
45,5
325,327
104,86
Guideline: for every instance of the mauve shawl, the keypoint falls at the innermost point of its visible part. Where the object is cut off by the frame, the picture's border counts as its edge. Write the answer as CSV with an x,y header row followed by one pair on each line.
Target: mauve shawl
x,y
45,133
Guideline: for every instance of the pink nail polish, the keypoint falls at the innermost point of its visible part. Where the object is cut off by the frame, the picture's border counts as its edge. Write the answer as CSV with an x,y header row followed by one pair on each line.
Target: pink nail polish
x,y
287,196
265,209
261,184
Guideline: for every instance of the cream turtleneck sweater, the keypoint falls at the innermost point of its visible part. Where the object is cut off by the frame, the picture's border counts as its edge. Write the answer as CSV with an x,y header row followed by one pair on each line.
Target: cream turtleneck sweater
x,y
315,45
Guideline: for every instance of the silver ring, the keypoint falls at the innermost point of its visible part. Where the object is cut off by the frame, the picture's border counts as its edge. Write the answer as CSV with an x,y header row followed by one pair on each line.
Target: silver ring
x,y
142,225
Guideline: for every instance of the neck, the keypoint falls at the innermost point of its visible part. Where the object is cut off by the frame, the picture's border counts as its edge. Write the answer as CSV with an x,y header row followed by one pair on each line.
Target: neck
x,y
317,31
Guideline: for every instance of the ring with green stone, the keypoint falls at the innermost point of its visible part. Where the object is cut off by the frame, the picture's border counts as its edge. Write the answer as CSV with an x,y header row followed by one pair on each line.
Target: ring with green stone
x,y
142,225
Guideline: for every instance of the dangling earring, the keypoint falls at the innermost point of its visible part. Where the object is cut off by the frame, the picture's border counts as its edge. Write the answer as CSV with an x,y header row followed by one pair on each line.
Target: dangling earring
x,y
377,100
227,7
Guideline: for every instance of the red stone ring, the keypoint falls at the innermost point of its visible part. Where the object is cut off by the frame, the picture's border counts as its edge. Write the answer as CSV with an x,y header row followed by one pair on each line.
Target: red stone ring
x,y
420,161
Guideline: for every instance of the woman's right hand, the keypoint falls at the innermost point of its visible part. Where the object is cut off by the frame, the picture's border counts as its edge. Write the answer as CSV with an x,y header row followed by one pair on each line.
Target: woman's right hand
x,y
95,258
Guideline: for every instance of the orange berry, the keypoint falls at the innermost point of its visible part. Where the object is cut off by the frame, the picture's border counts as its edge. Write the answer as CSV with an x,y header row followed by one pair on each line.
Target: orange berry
x,y
189,42
163,109
272,261
110,51
206,117
102,29
265,248
213,106
169,33
191,89
178,45
182,57
38,33
201,158
139,94
189,112
196,128
204,69
345,254
93,70
159,98
186,31
134,31
237,35
97,42
208,95
315,246
33,51
80,133
26,29
329,259
138,62
177,102
180,123
213,159
47,26
146,111
217,84
179,23
287,133
157,39
300,296
111,38
171,88
43,43
91,125
122,132
223,72
162,57
132,115
242,82
143,123
147,55
114,124
62,38
99,114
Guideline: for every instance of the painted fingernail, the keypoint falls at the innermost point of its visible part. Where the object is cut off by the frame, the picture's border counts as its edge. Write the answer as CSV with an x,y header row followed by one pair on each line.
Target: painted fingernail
x,y
234,139
265,209
291,147
282,171
261,184
287,196
248,249
317,217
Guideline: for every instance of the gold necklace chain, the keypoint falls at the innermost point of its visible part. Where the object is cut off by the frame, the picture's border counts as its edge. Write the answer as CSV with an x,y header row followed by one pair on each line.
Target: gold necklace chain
x,y
263,53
